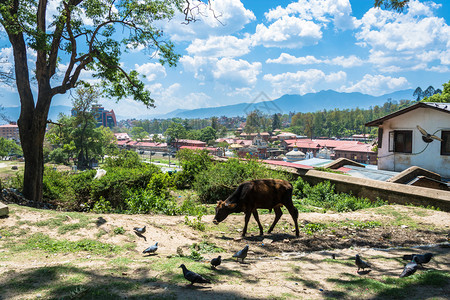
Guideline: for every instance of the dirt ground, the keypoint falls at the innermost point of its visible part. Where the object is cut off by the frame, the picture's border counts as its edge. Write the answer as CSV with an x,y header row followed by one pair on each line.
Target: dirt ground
x,y
278,266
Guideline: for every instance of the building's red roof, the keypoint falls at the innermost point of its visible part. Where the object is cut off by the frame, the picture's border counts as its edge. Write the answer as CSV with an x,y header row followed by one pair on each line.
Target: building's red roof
x,y
151,144
198,148
355,148
9,125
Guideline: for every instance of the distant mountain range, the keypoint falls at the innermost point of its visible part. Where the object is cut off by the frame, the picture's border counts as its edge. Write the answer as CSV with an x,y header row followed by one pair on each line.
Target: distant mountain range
x,y
287,103
290,103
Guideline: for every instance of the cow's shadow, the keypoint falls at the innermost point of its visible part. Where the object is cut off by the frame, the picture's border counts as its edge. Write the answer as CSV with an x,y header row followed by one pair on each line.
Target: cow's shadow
x,y
275,237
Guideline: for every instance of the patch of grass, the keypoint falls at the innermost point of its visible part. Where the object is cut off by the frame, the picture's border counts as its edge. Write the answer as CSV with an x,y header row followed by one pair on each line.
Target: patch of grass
x,y
312,228
340,261
39,241
206,247
400,218
393,287
119,230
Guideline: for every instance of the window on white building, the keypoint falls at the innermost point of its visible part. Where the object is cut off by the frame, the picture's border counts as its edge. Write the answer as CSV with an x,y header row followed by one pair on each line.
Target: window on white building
x,y
445,144
400,141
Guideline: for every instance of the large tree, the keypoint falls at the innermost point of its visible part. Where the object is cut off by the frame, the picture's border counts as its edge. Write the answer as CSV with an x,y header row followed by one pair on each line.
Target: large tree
x,y
83,35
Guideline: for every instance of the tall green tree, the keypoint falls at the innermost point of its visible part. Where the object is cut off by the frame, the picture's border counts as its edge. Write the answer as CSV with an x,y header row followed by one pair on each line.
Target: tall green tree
x,y
443,97
139,133
84,35
276,122
175,132
9,147
397,5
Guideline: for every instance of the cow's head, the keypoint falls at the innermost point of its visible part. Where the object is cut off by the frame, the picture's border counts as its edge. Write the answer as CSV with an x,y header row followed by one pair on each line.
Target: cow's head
x,y
223,209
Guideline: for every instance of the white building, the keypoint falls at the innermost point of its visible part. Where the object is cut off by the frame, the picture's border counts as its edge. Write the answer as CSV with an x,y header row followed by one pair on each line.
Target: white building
x,y
401,144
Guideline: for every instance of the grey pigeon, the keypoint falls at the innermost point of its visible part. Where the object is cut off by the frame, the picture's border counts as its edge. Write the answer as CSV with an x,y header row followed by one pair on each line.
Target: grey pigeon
x,y
241,253
140,230
192,276
410,268
216,261
360,263
421,258
151,249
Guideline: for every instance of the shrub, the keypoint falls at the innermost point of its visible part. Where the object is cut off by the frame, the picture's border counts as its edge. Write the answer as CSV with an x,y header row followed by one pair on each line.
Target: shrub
x,y
323,195
221,179
57,186
192,163
125,159
145,201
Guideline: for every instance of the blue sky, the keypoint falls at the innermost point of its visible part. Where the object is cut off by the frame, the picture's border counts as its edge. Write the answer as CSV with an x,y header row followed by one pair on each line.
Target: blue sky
x,y
290,47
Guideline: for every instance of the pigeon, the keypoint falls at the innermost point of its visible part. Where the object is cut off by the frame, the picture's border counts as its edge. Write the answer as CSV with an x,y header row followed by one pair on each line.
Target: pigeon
x,y
421,258
410,268
241,254
192,276
139,230
151,249
216,261
360,263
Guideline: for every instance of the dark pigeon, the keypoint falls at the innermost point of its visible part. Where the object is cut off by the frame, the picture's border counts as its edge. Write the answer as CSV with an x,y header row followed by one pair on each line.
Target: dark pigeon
x,y
241,254
216,261
410,268
140,230
360,263
193,277
421,258
151,249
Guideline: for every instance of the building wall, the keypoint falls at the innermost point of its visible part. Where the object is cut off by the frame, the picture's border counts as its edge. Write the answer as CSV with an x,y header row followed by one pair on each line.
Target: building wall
x,y
9,131
427,156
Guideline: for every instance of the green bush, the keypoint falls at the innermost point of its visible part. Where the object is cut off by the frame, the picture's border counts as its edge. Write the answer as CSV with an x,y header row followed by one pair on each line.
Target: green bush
x,y
221,179
192,163
323,195
58,156
125,159
56,186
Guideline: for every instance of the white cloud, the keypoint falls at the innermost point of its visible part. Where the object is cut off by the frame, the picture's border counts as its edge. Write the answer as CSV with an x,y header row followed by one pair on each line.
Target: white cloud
x,y
324,11
225,71
289,32
302,82
236,72
219,46
224,18
151,71
405,41
346,62
377,85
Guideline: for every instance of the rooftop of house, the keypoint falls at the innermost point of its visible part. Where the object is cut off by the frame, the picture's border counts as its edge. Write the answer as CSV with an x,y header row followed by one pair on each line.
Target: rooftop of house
x,y
443,107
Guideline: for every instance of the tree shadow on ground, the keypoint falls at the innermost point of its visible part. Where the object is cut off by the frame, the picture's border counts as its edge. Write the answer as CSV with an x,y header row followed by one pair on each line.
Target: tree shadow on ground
x,y
63,282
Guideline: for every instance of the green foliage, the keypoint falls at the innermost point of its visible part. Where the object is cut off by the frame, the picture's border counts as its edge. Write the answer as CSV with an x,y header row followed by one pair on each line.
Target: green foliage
x,y
58,156
125,159
102,206
192,163
154,198
195,223
219,180
206,247
443,97
323,195
56,185
119,230
9,147
312,228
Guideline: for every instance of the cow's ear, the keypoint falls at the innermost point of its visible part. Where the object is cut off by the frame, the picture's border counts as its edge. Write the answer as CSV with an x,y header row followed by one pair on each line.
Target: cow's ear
x,y
232,205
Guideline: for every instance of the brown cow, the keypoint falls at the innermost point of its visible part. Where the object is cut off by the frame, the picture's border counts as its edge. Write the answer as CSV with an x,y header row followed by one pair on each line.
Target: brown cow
x,y
262,193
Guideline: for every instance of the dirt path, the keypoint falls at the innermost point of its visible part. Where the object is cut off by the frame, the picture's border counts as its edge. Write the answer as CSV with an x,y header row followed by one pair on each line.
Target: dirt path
x,y
278,266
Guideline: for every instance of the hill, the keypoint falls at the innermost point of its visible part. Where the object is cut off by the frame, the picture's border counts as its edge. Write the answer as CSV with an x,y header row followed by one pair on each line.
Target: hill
x,y
292,103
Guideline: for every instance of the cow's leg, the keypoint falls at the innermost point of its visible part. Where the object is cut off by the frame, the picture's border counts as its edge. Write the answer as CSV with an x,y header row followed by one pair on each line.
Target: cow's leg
x,y
255,214
247,218
294,213
278,214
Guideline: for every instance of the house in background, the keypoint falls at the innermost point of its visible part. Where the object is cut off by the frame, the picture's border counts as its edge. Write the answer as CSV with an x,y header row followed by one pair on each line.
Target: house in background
x,y
401,144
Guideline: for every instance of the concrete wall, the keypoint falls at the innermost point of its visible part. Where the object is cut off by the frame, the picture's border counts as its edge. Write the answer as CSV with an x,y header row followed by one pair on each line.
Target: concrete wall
x,y
373,189
427,156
